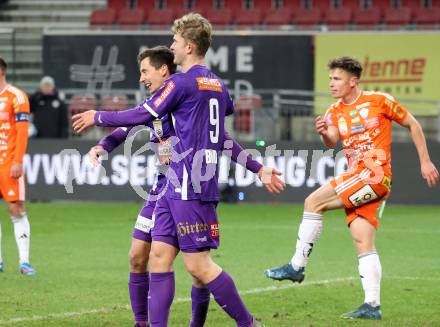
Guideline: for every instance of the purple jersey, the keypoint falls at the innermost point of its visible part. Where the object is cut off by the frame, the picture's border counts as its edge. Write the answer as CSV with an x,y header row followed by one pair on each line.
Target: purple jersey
x,y
161,129
197,102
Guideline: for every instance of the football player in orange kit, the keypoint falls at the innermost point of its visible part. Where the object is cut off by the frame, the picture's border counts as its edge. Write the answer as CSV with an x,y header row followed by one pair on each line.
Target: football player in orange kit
x,y
14,123
362,122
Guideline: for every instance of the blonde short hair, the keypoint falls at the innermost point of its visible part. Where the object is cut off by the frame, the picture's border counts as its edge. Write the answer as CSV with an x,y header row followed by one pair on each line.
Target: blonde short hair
x,y
196,29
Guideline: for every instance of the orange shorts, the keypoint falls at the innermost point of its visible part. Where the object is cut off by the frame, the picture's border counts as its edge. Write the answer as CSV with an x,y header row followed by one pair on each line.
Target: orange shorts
x,y
361,195
11,189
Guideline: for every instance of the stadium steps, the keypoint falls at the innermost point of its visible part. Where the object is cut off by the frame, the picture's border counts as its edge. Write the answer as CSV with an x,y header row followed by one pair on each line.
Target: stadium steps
x,y
20,15
56,5
28,19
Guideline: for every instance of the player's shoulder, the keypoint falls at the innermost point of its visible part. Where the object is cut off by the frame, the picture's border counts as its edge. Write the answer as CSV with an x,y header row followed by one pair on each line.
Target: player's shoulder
x,y
377,96
335,106
178,81
17,93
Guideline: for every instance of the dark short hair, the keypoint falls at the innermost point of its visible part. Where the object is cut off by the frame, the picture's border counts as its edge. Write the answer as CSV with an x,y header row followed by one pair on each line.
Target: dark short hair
x,y
349,64
3,64
160,55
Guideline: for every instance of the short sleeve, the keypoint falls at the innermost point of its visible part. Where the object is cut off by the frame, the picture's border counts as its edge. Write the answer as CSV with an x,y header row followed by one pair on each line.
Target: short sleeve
x,y
330,116
392,109
20,103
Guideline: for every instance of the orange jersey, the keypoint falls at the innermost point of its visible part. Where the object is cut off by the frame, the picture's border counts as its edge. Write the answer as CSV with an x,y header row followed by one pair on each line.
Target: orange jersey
x,y
14,118
365,128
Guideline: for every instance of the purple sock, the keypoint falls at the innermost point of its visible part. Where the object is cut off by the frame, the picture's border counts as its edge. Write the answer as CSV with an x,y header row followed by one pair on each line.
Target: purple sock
x,y
160,298
226,295
200,304
138,289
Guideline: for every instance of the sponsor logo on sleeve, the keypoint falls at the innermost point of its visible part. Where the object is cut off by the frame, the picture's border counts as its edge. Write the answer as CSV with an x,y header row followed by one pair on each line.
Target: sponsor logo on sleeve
x,y
399,112
209,84
165,93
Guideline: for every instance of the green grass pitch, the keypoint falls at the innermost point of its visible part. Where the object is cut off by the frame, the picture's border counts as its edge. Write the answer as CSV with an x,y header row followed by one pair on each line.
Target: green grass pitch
x,y
80,252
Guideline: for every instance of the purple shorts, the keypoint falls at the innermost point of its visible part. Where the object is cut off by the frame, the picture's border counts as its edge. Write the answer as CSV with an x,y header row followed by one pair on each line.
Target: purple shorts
x,y
144,222
191,226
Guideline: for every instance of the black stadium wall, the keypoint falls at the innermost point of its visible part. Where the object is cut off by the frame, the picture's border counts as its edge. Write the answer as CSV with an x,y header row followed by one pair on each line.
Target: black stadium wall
x,y
59,170
245,61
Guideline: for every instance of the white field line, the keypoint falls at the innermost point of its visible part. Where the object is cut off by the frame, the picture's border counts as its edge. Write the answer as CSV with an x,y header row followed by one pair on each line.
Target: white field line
x,y
343,228
115,307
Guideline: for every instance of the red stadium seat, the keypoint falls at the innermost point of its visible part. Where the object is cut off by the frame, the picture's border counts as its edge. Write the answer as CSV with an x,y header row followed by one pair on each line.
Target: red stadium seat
x,y
370,16
338,16
303,16
180,7
114,102
103,16
397,16
81,103
280,16
117,4
160,16
244,113
129,16
220,16
424,16
252,16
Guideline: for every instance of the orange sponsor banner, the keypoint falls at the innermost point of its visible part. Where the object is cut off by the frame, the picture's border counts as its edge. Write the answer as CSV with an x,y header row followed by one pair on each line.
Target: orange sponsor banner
x,y
405,65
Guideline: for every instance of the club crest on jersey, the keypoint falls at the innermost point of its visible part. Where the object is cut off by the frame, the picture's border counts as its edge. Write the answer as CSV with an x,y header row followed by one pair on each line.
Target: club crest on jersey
x,y
342,125
353,113
364,113
164,94
158,128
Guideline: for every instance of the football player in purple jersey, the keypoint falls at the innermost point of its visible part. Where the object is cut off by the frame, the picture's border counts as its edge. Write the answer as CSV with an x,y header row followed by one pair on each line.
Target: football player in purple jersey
x,y
141,243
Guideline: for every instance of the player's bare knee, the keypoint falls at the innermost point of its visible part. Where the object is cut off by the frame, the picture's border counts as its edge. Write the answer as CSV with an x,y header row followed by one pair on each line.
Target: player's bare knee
x,y
312,205
198,283
138,261
198,271
15,210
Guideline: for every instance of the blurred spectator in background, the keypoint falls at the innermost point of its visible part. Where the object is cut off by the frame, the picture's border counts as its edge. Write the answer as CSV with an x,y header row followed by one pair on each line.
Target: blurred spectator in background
x,y
49,111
